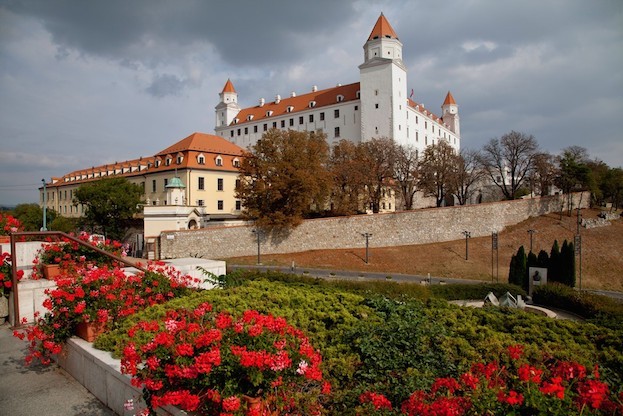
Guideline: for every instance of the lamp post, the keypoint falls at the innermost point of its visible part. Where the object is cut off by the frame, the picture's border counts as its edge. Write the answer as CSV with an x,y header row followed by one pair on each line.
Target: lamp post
x,y
257,233
467,235
45,209
578,246
531,232
367,236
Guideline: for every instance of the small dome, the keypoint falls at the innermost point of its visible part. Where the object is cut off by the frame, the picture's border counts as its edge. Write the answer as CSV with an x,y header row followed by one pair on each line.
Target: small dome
x,y
175,183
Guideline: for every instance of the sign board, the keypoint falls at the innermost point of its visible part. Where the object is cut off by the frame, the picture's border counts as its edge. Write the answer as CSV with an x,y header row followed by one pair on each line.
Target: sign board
x,y
578,243
494,241
537,277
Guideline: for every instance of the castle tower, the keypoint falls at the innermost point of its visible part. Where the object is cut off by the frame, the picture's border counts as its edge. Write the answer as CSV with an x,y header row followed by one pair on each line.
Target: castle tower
x,y
227,108
450,114
383,83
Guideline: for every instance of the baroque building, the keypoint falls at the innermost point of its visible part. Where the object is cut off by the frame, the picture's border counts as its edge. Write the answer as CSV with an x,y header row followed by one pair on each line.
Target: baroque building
x,y
379,105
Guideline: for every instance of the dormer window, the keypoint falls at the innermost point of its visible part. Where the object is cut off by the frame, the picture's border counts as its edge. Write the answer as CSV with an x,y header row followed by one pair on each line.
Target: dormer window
x,y
201,159
250,117
358,95
167,162
236,163
179,158
158,162
340,98
312,104
236,121
269,113
219,161
290,108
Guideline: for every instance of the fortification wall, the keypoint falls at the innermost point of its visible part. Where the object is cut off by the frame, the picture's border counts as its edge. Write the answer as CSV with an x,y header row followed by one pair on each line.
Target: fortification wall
x,y
390,229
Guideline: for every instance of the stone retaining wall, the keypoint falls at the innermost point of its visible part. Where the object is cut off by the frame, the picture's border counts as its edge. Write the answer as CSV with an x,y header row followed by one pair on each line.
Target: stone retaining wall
x,y
391,229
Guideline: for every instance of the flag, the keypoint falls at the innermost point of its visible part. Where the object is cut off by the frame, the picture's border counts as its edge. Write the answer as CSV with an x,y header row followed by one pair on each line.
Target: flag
x,y
411,93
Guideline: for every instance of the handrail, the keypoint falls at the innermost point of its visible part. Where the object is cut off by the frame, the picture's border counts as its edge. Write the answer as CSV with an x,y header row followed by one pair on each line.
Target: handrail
x,y
50,234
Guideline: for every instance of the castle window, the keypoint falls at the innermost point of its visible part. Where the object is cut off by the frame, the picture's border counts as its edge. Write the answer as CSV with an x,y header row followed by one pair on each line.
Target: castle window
x,y
231,133
246,130
291,122
219,161
356,107
336,113
238,205
236,121
358,95
167,162
337,132
340,98
269,113
417,136
219,205
219,184
376,105
265,127
311,118
200,202
201,183
312,104
236,163
250,117
255,129
290,108
238,132
322,116
376,92
301,120
158,161
283,124
179,158
274,124
416,120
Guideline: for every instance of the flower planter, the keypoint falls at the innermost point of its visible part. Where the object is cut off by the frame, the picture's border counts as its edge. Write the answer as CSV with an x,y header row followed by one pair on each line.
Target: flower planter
x,y
5,239
50,271
88,331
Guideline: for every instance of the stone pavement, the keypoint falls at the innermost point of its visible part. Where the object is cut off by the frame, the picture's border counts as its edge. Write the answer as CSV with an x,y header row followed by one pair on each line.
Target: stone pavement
x,y
37,389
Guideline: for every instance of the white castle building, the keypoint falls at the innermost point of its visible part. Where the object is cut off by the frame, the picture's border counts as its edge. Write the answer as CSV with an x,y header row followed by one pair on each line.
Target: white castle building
x,y
376,106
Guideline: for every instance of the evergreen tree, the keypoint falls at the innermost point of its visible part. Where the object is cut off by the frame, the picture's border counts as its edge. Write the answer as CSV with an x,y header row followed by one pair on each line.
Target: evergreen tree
x,y
553,271
543,259
567,261
517,274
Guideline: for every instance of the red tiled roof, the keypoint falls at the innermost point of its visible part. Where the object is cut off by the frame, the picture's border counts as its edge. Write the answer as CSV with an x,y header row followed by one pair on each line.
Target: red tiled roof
x,y
449,99
382,29
229,87
299,103
421,109
202,142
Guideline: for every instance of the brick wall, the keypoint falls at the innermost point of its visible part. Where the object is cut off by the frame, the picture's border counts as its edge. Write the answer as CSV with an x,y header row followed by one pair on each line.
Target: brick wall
x,y
390,229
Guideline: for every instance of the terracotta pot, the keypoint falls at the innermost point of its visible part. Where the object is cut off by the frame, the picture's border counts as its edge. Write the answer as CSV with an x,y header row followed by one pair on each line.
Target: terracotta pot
x,y
50,271
5,239
258,406
88,331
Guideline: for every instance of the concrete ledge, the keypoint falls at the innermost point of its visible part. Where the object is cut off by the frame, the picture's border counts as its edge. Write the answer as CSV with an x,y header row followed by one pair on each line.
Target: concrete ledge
x,y
31,296
100,373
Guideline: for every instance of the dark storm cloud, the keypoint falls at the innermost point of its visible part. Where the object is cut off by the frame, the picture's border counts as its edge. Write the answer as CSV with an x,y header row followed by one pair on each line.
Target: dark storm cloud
x,y
153,32
166,84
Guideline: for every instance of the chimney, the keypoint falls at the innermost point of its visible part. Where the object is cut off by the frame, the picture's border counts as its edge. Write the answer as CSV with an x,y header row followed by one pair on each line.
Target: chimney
x,y
314,88
339,85
293,94
277,99
262,102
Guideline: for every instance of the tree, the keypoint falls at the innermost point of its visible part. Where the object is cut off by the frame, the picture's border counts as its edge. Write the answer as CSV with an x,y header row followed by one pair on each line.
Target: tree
x,y
611,186
377,158
573,172
553,271
467,172
284,178
109,203
543,174
31,216
517,274
543,259
509,161
406,174
436,170
347,174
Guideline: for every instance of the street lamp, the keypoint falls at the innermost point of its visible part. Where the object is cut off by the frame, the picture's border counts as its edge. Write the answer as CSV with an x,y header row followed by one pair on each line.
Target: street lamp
x,y
45,208
531,232
257,233
367,236
467,235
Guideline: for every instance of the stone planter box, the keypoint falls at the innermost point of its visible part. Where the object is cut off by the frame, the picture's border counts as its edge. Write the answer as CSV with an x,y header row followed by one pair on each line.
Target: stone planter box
x,y
101,374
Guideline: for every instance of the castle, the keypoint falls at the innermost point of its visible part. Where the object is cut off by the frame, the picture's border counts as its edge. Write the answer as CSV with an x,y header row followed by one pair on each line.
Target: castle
x,y
379,105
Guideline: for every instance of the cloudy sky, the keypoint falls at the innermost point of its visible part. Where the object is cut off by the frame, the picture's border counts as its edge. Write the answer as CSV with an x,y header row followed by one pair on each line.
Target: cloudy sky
x,y
85,83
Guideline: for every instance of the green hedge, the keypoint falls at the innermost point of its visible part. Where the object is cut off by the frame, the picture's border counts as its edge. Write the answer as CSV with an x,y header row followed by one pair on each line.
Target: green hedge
x,y
595,308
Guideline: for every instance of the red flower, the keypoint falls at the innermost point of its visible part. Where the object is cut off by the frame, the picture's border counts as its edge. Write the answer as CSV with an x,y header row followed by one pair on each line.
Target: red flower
x,y
515,351
530,374
231,404
553,388
377,400
513,398
592,393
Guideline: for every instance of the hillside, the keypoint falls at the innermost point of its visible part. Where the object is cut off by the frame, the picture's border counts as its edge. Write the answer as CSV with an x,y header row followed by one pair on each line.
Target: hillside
x,y
602,253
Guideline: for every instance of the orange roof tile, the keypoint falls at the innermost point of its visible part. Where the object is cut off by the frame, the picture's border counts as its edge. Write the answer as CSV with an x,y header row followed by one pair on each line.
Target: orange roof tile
x,y
229,87
322,98
449,99
382,28
202,142
423,110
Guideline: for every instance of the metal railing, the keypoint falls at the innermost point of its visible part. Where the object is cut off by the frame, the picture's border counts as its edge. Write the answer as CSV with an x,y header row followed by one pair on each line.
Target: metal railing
x,y
60,234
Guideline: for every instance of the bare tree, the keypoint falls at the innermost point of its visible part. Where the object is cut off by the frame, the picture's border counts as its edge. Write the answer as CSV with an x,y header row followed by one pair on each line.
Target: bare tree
x,y
509,161
436,170
467,172
544,173
348,178
377,158
406,174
